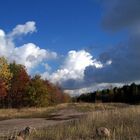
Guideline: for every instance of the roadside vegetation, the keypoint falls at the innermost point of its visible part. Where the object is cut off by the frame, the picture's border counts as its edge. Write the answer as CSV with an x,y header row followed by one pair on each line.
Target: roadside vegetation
x,y
45,112
123,123
18,89
122,120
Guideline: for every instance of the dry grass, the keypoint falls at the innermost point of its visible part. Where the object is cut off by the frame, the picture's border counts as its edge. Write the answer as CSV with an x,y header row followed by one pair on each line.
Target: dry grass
x,y
44,112
89,107
122,120
123,123
25,113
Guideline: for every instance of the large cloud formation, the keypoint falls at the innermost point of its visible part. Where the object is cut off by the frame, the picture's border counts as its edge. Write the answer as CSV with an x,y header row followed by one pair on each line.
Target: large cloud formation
x,y
28,54
119,65
125,58
70,75
121,13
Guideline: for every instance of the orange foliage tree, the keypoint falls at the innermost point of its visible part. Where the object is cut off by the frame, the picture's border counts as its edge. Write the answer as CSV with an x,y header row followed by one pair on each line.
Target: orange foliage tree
x,y
19,83
18,89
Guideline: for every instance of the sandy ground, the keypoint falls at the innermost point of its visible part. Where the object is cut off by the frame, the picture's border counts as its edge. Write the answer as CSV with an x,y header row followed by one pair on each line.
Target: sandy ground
x,y
7,127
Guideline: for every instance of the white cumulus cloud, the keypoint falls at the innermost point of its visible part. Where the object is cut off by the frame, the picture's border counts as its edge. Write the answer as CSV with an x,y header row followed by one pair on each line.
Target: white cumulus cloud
x,y
73,67
29,55
23,29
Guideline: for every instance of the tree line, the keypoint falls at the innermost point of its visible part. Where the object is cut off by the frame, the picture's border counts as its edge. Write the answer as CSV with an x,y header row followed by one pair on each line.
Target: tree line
x,y
126,94
18,89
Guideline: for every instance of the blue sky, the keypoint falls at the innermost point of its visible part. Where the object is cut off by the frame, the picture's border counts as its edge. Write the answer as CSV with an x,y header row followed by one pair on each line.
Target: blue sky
x,y
61,25
91,28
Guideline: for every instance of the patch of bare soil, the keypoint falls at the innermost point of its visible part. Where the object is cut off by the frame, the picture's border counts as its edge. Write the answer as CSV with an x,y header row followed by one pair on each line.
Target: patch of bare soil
x,y
9,126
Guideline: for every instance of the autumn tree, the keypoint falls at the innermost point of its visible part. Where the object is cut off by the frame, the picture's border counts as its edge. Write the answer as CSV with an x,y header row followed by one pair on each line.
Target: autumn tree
x,y
37,92
19,82
3,91
5,78
56,94
18,89
5,73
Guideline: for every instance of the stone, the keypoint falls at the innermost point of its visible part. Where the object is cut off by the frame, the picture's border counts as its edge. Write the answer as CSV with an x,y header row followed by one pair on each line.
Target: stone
x,y
103,132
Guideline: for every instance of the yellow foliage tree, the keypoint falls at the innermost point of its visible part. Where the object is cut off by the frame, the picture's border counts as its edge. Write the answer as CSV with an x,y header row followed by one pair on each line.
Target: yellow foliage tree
x,y
5,74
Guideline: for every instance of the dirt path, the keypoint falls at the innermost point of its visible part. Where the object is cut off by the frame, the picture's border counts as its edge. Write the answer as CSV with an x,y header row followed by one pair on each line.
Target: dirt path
x,y
63,115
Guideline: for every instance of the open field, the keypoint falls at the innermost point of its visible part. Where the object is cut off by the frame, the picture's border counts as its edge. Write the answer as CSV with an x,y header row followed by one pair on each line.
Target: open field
x,y
81,121
124,124
44,112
